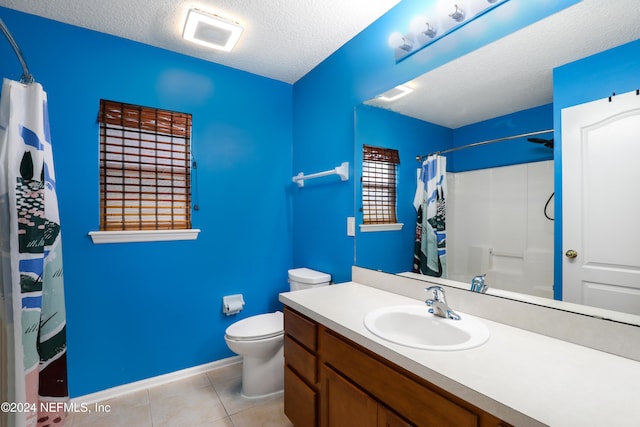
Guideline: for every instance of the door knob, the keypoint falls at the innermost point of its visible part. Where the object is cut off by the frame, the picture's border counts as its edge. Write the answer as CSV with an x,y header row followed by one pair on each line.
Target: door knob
x,y
571,254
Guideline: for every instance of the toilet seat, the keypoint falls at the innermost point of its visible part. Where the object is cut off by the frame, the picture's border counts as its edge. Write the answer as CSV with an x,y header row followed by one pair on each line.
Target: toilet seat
x,y
261,326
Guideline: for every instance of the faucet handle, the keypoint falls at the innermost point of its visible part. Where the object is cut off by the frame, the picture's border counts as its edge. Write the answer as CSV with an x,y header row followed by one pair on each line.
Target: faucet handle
x,y
438,293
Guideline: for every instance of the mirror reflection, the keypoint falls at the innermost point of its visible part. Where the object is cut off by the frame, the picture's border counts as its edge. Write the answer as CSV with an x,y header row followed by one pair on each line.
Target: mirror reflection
x,y
502,192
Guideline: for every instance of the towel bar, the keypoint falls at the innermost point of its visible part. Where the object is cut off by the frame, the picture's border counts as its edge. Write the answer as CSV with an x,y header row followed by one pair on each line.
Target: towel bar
x,y
342,171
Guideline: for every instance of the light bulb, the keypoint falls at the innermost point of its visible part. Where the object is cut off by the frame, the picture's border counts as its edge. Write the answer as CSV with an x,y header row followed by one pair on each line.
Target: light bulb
x,y
417,24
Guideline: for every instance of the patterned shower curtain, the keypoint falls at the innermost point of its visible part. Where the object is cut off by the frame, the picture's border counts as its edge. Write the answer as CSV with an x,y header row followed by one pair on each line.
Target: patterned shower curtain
x,y
430,246
32,312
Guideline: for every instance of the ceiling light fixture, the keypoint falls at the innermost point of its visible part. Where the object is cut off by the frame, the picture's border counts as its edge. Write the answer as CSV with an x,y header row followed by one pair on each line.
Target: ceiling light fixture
x,y
423,32
395,93
211,30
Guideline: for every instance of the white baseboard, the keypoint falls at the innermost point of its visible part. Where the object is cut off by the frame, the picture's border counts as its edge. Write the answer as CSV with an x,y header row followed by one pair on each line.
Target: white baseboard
x,y
114,392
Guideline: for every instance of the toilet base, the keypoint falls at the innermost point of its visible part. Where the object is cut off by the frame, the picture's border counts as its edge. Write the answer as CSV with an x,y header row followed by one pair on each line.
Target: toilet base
x,y
262,396
263,377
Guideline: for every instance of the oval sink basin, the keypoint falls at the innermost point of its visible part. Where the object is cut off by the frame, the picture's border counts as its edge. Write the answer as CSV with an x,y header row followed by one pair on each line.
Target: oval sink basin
x,y
413,326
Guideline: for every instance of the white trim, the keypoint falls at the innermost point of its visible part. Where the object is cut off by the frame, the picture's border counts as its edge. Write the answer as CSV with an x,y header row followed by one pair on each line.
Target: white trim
x,y
99,237
368,228
120,390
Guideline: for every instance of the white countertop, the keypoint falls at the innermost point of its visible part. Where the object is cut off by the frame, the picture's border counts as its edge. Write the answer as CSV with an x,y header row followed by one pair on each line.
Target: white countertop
x,y
519,376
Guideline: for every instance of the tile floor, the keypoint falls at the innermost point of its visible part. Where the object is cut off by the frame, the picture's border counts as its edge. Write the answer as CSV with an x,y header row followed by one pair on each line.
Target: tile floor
x,y
207,400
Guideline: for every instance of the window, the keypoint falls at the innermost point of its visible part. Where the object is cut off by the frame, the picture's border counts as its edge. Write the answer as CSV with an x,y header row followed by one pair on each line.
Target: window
x,y
145,174
379,185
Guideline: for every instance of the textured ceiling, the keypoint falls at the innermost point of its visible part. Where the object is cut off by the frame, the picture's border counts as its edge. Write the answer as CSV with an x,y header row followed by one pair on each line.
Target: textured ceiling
x,y
283,39
515,72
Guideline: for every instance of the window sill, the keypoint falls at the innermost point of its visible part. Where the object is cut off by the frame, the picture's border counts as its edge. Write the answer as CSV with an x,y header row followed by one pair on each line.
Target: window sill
x,y
368,228
100,237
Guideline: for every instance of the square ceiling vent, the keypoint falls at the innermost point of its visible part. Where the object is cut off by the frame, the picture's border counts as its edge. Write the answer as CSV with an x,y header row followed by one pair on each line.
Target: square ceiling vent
x,y
211,30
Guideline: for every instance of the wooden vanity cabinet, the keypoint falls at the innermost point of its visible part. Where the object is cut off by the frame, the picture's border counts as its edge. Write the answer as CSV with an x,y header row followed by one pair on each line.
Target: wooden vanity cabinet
x,y
344,383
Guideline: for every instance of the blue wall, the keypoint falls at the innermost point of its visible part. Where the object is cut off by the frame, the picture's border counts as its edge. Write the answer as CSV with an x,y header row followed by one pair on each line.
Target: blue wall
x,y
509,152
596,77
143,309
323,106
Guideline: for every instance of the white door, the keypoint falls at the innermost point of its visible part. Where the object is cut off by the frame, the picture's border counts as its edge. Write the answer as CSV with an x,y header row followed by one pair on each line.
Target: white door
x,y
601,203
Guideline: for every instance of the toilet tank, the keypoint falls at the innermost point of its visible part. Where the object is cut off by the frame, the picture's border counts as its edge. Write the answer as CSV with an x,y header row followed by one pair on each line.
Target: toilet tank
x,y
305,278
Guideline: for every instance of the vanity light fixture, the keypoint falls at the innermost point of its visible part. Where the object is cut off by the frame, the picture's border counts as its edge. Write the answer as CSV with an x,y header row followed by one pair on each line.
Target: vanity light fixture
x,y
395,93
423,31
211,30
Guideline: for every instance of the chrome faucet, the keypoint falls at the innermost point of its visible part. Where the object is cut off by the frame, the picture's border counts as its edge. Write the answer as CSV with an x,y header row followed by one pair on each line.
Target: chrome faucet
x,y
439,305
478,285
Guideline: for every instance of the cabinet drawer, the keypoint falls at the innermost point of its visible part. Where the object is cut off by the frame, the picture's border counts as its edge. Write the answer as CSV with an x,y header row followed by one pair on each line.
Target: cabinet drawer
x,y
302,329
300,401
418,403
300,360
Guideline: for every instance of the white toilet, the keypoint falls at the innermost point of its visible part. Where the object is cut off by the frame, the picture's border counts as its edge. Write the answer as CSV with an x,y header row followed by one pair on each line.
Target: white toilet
x,y
259,340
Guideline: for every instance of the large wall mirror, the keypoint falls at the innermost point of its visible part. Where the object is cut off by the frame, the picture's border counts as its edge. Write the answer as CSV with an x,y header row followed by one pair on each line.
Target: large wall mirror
x,y
504,197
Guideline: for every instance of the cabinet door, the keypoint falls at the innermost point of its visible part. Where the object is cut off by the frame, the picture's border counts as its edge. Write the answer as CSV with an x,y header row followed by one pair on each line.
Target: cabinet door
x,y
299,400
345,405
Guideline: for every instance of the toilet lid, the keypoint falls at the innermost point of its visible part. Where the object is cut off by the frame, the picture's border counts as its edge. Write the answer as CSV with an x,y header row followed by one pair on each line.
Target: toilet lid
x,y
257,327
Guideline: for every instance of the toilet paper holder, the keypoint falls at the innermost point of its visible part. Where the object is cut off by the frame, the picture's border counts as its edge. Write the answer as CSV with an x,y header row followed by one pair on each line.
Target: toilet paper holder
x,y
232,304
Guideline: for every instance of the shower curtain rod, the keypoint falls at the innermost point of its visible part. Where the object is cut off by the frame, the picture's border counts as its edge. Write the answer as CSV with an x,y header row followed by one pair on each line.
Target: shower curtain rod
x,y
26,75
491,141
